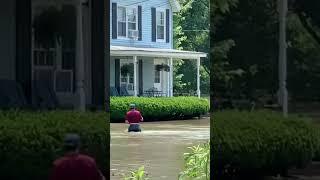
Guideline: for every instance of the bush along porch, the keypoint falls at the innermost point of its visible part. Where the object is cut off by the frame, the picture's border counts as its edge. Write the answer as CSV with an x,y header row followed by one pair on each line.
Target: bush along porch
x,y
157,109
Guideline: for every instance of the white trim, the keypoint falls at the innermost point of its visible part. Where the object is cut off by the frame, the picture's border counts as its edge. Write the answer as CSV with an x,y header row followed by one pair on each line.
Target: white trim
x,y
198,77
164,25
81,95
168,78
127,21
154,52
135,84
171,77
175,5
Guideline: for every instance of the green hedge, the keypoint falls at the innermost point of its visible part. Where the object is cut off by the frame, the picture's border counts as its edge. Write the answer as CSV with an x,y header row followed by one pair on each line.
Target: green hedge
x,y
30,141
159,108
260,143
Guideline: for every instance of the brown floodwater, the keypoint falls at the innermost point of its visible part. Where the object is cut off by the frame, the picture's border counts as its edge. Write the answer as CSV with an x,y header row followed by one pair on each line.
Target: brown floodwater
x,y
159,147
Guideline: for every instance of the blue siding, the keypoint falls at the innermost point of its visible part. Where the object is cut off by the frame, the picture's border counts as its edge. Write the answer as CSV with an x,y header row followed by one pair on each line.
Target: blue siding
x,y
146,24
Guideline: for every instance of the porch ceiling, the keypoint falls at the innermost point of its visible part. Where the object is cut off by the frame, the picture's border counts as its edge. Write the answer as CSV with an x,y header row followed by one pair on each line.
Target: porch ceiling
x,y
154,52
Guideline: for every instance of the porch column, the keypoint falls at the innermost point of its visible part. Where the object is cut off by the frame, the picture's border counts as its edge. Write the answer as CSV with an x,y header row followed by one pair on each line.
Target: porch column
x,y
135,88
198,77
80,93
23,69
171,77
168,79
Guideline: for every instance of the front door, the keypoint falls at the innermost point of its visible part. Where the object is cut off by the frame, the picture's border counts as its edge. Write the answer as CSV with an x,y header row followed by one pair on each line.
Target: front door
x,y
53,57
127,75
158,75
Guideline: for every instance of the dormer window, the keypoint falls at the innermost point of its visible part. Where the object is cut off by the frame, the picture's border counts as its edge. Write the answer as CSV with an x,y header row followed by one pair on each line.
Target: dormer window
x,y
127,22
160,25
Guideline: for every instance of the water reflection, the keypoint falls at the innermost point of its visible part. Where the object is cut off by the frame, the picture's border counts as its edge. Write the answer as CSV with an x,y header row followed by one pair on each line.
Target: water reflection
x,y
159,147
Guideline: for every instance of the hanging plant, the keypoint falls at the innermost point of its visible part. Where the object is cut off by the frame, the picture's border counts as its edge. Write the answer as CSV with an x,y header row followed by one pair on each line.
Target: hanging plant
x,y
159,67
166,67
127,69
47,28
53,25
163,67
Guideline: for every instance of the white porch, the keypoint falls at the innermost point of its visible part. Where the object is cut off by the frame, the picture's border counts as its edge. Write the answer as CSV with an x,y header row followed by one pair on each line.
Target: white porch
x,y
52,49
151,69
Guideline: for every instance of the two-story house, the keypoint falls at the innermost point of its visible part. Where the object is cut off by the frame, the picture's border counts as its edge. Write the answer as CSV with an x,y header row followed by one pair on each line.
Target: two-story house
x,y
142,54
53,53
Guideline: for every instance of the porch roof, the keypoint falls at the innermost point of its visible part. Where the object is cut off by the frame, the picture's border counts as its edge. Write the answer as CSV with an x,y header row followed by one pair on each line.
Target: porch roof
x,y
154,52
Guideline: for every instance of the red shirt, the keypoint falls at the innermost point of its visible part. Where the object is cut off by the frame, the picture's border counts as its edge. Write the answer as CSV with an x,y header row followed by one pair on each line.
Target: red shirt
x,y
75,167
134,116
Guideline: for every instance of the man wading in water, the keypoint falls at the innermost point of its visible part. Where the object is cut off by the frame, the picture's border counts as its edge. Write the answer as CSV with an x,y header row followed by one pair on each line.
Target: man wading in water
x,y
134,118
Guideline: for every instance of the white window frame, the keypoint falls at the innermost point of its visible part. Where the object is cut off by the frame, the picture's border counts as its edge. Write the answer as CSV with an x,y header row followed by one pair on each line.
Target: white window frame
x,y
155,75
127,8
127,83
126,22
164,25
130,8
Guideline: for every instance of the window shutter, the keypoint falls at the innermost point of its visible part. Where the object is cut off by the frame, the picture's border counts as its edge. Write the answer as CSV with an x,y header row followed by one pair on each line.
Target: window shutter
x,y
114,21
153,24
167,26
117,74
140,22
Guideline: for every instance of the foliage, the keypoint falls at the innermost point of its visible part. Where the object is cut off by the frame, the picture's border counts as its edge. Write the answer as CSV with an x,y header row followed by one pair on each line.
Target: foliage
x,y
251,28
260,143
197,163
31,141
159,108
53,25
137,175
191,32
127,69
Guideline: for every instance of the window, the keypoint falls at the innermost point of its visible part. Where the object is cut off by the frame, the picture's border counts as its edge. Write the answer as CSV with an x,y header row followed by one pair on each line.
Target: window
x,y
122,21
132,19
156,76
127,76
160,25
127,21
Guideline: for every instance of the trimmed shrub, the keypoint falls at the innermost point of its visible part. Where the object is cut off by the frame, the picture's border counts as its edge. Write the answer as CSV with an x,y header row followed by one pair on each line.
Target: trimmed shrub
x,y
159,108
31,141
260,143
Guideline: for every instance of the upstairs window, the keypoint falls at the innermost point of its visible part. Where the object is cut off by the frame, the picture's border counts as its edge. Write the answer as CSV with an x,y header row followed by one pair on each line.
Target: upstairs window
x,y
160,25
127,21
132,19
122,22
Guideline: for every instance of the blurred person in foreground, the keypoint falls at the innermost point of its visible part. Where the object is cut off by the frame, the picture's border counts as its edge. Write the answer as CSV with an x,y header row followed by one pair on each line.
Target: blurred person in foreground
x,y
133,118
73,165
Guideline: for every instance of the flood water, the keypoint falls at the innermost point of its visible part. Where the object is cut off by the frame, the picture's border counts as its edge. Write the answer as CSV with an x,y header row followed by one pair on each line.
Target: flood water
x,y
159,147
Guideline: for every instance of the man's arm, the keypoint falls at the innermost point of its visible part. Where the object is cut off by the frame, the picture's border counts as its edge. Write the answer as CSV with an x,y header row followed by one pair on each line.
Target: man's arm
x,y
126,120
141,118
97,175
54,174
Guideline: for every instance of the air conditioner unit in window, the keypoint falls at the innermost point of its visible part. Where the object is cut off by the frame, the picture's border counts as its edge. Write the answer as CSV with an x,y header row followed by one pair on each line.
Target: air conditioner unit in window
x,y
133,34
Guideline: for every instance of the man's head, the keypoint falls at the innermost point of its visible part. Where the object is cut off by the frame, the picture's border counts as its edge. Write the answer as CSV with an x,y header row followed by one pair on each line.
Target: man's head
x,y
132,106
72,142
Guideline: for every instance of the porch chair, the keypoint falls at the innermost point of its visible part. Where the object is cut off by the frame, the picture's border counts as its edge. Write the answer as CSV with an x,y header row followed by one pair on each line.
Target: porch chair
x,y
11,95
124,92
114,91
44,96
